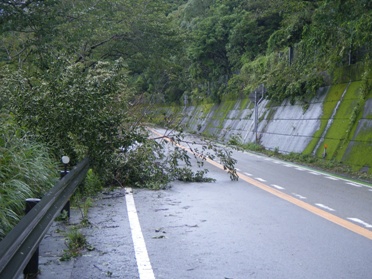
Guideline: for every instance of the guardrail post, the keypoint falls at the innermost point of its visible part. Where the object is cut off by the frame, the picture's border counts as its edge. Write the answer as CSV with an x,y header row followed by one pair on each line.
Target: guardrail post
x,y
67,205
32,268
65,161
22,241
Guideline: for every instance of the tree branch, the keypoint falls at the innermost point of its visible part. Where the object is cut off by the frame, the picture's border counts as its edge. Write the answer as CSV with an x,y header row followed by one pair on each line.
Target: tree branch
x,y
90,50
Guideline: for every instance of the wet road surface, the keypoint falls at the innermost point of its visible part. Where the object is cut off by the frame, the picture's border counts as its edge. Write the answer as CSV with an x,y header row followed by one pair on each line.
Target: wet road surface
x,y
209,230
233,230
226,229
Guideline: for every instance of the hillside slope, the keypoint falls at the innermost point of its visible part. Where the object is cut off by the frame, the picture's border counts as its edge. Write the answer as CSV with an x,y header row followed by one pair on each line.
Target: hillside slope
x,y
337,118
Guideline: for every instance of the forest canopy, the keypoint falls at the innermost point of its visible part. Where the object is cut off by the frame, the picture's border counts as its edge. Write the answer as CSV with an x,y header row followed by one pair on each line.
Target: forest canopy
x,y
196,49
77,73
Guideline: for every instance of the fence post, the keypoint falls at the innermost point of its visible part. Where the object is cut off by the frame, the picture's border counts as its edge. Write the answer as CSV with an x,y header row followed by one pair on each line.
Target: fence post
x,y
32,268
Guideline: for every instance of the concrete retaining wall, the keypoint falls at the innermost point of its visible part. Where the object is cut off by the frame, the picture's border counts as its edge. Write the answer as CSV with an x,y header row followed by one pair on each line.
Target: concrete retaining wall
x,y
290,128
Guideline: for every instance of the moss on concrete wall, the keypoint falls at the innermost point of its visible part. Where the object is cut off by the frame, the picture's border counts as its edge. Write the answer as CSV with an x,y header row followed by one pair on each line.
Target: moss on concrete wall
x,y
340,122
343,122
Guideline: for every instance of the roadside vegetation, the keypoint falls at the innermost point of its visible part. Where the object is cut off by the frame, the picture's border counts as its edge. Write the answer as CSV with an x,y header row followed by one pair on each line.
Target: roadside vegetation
x,y
26,171
81,78
76,242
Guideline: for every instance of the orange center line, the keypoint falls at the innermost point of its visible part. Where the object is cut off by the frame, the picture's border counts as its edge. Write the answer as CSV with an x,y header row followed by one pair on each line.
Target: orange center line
x,y
315,210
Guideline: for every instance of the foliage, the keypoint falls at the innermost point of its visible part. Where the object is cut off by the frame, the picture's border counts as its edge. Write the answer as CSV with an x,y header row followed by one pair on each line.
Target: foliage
x,y
87,32
141,167
92,184
82,198
75,242
187,175
77,74
228,33
196,48
76,111
77,80
320,44
88,202
155,162
26,171
248,43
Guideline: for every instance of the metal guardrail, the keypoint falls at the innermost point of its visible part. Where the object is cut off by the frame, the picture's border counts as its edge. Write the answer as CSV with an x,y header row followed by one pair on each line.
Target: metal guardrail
x,y
18,246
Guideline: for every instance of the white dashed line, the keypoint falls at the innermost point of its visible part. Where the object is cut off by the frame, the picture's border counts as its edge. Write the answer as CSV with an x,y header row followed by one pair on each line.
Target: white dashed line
x,y
315,173
354,184
277,187
299,196
332,178
324,207
260,179
249,174
300,169
356,220
143,261
288,166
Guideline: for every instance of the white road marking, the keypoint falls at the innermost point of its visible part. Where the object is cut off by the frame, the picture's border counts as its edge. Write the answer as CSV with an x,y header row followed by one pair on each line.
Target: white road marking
x,y
356,220
143,262
307,169
354,184
324,207
260,179
249,174
277,187
237,169
299,196
332,178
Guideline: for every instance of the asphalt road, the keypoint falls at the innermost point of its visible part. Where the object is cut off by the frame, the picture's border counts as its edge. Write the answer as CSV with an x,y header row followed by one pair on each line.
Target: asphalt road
x,y
345,198
278,221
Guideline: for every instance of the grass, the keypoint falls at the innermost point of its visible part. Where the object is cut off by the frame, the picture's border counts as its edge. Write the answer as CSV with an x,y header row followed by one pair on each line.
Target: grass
x,y
75,242
26,171
82,199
